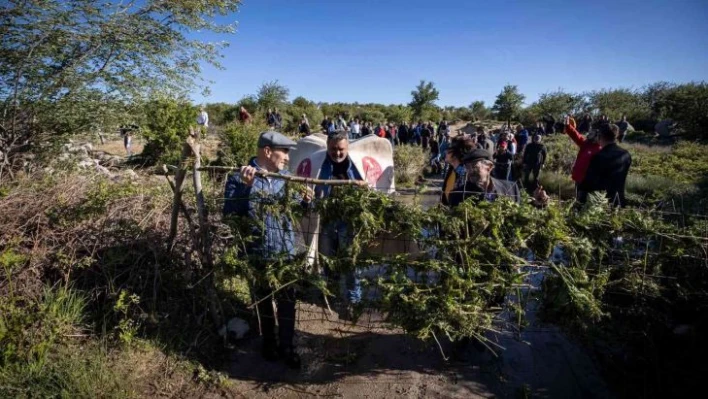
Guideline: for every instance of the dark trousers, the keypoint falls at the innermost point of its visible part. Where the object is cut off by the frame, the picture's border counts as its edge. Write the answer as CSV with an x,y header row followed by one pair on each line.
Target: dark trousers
x,y
580,195
528,170
285,299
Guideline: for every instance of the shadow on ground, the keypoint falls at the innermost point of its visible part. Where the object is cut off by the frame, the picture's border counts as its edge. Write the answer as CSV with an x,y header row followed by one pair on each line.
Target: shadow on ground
x,y
366,360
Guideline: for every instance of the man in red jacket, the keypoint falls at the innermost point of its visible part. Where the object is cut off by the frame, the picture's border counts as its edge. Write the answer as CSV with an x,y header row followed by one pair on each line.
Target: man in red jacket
x,y
588,147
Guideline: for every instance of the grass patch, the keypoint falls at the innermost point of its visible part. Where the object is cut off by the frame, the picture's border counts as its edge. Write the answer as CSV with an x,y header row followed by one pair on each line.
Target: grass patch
x,y
658,172
409,162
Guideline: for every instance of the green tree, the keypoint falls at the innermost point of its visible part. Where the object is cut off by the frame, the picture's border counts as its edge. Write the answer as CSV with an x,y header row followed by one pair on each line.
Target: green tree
x,y
398,113
479,110
423,102
166,126
558,103
617,102
57,54
687,105
218,113
508,103
302,106
272,95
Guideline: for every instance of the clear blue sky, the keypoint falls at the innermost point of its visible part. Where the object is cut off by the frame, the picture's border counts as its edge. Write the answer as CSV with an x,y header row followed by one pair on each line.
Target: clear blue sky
x,y
377,51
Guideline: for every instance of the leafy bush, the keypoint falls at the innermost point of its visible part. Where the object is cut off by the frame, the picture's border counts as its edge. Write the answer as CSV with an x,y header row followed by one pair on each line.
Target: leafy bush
x,y
408,162
688,106
239,143
293,114
166,127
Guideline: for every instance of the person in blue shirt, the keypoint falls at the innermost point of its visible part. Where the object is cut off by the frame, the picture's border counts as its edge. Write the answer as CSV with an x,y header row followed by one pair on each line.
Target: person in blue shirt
x,y
336,235
247,193
522,138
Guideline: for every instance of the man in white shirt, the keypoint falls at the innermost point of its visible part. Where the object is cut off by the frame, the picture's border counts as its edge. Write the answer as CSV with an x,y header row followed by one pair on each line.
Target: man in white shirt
x,y
354,129
203,118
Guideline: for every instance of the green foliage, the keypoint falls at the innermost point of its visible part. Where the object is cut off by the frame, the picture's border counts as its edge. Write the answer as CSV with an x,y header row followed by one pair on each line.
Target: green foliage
x,y
479,111
301,106
398,113
687,105
557,104
166,128
573,297
271,95
239,143
408,164
617,102
58,312
73,371
83,60
221,113
127,326
508,103
423,102
371,115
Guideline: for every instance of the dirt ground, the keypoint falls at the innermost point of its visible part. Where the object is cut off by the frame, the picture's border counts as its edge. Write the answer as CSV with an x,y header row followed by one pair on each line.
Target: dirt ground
x,y
367,360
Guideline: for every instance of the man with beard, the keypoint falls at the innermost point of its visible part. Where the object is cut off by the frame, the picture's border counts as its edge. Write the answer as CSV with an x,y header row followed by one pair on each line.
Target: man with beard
x,y
336,235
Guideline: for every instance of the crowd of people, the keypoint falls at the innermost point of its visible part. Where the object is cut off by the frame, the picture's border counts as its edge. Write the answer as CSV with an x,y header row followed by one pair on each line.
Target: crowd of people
x,y
476,167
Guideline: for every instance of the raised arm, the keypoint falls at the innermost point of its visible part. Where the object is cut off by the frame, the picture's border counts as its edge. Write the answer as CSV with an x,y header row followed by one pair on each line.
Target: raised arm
x,y
574,135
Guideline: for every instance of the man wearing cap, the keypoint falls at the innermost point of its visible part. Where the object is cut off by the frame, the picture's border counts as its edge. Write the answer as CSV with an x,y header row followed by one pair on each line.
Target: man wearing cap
x,y
480,184
247,194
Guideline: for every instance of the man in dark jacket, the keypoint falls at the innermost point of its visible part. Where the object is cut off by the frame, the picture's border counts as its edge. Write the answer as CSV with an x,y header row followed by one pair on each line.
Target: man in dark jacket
x,y
246,194
455,175
534,158
480,184
502,162
608,169
623,126
585,124
403,133
337,235
484,142
550,122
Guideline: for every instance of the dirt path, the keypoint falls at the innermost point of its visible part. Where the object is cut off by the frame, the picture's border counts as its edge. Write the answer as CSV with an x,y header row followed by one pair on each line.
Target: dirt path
x,y
369,361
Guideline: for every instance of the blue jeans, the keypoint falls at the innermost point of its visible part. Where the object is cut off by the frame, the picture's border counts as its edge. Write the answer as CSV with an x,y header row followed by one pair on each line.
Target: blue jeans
x,y
334,238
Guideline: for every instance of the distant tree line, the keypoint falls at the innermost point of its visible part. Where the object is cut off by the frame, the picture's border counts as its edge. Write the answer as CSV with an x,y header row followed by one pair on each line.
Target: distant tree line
x,y
686,104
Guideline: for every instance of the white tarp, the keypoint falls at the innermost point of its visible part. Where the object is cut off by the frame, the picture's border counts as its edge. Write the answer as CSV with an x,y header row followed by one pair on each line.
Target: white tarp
x,y
372,156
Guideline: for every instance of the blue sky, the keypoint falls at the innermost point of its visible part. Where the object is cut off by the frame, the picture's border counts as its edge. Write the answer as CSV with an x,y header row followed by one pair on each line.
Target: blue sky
x,y
377,51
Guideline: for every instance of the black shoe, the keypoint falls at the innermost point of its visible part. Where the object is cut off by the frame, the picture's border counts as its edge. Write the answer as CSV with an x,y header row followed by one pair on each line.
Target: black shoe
x,y
269,353
290,357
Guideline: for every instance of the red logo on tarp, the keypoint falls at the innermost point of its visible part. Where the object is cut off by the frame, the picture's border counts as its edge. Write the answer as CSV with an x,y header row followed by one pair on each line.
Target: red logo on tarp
x,y
372,170
305,168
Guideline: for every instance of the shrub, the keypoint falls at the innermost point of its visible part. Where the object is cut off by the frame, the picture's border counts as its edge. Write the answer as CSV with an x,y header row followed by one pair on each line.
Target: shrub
x,y
561,154
688,106
166,128
239,143
408,162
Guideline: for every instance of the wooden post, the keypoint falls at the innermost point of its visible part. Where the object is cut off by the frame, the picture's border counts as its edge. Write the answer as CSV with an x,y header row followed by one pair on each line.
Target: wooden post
x,y
179,179
204,246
